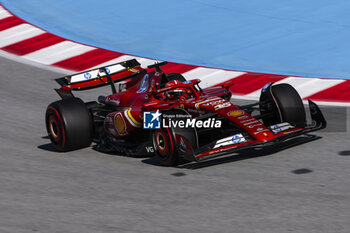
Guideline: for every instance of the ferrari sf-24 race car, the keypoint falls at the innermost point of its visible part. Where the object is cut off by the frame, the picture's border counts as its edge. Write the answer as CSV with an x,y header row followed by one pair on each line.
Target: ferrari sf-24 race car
x,y
153,113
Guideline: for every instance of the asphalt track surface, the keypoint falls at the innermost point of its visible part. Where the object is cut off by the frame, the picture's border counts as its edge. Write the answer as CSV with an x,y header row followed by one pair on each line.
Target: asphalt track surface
x,y
304,188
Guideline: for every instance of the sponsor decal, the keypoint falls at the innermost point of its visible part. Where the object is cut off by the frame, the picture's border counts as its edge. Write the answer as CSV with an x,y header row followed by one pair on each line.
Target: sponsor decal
x,y
251,123
280,127
235,113
144,84
87,75
217,104
186,82
102,72
243,117
265,87
259,130
209,101
252,126
235,139
149,149
223,105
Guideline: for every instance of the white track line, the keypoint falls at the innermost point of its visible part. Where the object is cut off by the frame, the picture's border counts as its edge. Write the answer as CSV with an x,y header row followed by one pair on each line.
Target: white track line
x,y
58,52
305,86
16,58
309,86
317,85
4,13
18,33
210,77
146,62
326,103
219,76
198,73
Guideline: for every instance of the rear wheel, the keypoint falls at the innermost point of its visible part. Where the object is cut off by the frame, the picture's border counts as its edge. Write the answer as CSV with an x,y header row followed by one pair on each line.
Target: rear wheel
x,y
69,124
164,145
285,105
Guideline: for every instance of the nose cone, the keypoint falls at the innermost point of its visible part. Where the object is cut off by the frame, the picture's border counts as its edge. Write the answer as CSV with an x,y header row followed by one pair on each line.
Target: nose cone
x,y
264,136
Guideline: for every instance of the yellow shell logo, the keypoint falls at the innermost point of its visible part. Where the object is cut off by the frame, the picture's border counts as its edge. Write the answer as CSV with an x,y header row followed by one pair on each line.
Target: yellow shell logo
x,y
235,113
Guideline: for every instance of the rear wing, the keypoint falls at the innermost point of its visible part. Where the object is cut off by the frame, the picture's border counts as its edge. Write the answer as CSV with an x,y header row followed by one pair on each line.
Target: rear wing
x,y
101,76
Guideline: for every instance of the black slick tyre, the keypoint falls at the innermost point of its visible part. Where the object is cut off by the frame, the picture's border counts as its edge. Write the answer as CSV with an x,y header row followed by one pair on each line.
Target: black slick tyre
x,y
290,105
69,124
164,144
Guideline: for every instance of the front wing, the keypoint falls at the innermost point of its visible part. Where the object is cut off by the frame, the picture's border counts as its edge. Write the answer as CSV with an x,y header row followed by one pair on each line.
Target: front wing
x,y
318,122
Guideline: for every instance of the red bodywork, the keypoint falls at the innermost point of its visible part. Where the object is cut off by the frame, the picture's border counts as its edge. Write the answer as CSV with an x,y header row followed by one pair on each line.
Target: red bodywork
x,y
145,93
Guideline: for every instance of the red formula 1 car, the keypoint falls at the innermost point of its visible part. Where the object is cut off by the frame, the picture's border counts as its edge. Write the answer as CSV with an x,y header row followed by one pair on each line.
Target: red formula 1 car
x,y
151,112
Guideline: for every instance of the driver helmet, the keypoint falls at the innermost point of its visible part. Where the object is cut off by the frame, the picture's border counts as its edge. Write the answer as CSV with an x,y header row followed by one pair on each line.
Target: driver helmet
x,y
174,93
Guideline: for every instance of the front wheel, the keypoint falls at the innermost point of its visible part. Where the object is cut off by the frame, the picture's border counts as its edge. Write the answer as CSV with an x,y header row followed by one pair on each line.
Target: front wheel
x,y
164,145
283,104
